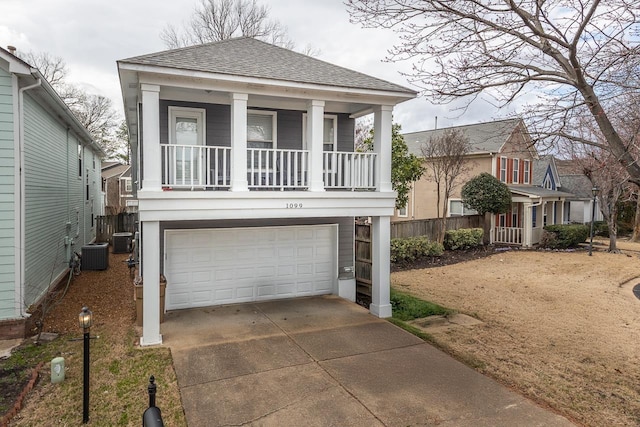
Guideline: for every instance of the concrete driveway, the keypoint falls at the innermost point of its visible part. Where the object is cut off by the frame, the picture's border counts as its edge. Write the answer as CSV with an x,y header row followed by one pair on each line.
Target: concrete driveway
x,y
327,362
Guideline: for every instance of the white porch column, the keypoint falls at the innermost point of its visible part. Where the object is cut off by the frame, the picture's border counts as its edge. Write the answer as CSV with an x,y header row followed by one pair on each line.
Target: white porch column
x,y
380,271
239,142
382,122
151,283
315,136
152,158
561,211
527,223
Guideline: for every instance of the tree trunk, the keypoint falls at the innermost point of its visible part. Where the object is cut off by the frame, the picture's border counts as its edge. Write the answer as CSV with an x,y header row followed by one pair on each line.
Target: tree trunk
x,y
613,230
635,237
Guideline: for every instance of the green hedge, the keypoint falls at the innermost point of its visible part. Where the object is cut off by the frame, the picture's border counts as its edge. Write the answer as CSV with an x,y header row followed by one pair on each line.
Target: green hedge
x,y
463,238
563,236
413,248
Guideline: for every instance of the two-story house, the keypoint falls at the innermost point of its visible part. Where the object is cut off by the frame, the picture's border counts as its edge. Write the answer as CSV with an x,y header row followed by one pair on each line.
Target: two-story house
x,y
505,150
247,179
49,190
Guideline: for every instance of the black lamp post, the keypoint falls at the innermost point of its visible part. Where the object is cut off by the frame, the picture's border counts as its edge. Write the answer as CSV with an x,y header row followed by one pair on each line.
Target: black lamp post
x,y
85,320
594,191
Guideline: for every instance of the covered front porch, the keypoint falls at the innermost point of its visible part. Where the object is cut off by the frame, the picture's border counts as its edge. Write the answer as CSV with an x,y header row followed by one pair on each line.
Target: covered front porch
x,y
532,209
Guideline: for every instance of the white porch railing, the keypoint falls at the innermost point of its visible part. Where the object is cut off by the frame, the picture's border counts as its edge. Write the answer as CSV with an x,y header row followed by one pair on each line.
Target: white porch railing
x,y
508,235
352,171
209,167
277,169
195,166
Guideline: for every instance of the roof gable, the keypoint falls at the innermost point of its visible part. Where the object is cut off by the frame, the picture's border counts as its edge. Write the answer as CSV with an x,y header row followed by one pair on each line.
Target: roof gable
x,y
488,137
249,57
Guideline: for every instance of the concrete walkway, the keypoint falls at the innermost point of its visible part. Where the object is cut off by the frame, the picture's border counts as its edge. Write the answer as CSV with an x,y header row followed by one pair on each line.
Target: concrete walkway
x,y
327,362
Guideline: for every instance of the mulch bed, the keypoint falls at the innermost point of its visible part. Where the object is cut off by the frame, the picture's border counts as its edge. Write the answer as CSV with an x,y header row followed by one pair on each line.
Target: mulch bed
x,y
448,258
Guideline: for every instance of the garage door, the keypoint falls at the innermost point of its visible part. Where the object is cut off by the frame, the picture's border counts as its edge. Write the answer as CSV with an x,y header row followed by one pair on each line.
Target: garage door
x,y
222,266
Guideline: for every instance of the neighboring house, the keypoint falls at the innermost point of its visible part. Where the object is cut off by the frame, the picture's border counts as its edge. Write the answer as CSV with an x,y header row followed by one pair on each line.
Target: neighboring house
x,y
116,186
504,149
249,177
49,190
565,176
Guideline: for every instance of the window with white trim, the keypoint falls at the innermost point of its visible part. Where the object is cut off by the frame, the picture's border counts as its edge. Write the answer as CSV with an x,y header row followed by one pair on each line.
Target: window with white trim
x,y
547,183
186,126
261,129
516,171
526,165
329,132
402,212
514,215
457,208
187,131
503,169
502,220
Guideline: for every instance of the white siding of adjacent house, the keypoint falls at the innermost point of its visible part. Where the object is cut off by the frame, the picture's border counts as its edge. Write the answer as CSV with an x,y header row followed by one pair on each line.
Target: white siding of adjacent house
x,y
7,203
55,203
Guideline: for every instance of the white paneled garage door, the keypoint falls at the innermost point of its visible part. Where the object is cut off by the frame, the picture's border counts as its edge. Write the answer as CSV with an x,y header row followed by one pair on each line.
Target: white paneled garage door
x,y
223,266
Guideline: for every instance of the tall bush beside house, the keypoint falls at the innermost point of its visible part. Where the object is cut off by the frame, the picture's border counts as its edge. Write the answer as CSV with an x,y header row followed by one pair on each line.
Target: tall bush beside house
x,y
413,248
463,238
486,194
563,236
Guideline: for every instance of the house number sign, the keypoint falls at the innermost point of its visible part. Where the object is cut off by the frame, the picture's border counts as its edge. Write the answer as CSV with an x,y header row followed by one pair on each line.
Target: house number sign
x,y
294,205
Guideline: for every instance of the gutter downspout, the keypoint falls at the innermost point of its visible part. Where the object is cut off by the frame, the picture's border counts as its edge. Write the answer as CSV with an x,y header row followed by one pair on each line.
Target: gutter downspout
x,y
21,191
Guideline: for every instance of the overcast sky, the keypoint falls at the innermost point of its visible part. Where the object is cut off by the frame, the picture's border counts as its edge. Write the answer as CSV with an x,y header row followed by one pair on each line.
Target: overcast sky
x,y
91,35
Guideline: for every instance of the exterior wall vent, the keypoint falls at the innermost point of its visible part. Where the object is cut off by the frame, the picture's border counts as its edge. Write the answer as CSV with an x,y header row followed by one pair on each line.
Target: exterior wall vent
x,y
95,256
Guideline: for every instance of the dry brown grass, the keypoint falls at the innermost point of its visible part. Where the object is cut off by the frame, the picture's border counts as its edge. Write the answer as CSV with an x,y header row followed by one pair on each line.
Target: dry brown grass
x,y
562,328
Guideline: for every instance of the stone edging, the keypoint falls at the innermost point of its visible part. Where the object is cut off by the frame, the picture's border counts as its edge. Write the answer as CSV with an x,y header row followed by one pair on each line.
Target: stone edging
x,y
18,404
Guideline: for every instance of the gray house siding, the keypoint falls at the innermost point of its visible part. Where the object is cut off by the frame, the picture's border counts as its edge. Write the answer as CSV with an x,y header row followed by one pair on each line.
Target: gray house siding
x,y
289,124
56,206
7,203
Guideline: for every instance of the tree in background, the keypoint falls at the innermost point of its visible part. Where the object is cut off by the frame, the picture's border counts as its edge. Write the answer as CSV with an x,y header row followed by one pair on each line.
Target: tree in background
x,y
579,58
94,112
406,168
215,20
486,194
612,181
445,157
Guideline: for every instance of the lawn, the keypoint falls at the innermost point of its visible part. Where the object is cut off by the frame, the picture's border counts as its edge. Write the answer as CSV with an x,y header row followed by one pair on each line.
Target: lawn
x,y
560,327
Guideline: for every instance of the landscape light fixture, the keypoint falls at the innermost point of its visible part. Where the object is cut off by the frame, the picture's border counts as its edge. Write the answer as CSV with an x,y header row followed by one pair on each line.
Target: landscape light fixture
x,y
594,191
85,320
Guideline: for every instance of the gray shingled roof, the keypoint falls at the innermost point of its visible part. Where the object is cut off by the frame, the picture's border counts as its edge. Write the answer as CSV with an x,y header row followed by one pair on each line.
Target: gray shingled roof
x,y
578,185
537,191
486,137
540,167
249,57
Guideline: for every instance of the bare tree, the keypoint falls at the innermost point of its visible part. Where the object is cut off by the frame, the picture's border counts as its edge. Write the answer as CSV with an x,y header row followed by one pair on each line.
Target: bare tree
x,y
577,57
53,68
611,179
446,161
94,112
215,20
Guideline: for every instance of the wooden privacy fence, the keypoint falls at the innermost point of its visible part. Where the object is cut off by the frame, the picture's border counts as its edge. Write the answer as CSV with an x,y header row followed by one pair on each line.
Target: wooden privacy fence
x,y
429,227
363,264
419,227
107,225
